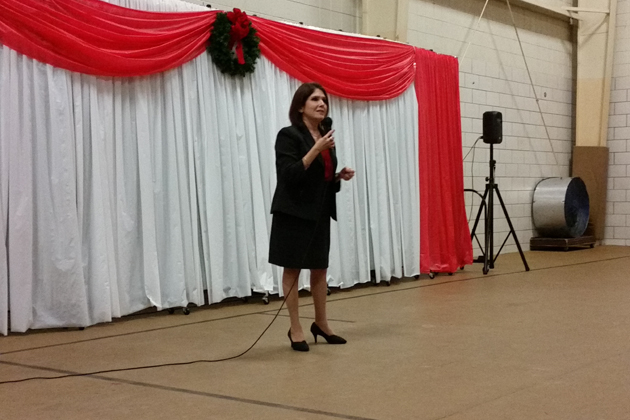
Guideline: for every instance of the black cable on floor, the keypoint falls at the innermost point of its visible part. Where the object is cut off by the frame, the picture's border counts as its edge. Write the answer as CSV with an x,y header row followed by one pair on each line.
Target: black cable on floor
x,y
75,375
100,372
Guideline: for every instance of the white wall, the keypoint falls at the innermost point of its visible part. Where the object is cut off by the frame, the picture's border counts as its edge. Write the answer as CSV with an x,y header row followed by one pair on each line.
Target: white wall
x,y
493,77
342,15
618,202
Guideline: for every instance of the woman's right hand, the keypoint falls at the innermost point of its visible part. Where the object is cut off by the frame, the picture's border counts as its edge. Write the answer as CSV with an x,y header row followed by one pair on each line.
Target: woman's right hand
x,y
325,142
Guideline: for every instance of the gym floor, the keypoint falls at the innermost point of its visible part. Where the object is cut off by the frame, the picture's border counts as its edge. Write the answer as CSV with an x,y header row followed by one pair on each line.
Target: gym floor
x,y
551,343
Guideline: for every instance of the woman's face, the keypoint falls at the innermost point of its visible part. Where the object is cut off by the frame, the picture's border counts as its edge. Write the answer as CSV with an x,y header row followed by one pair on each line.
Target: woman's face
x,y
315,108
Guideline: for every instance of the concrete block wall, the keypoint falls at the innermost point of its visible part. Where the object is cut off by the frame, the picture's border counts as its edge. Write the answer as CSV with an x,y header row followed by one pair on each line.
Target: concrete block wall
x,y
342,15
493,76
618,200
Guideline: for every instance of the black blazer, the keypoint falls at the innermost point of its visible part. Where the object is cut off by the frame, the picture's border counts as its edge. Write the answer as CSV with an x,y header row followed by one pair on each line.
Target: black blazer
x,y
299,192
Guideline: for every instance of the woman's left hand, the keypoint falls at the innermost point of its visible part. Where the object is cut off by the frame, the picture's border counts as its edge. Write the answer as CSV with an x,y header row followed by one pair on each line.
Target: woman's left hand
x,y
346,174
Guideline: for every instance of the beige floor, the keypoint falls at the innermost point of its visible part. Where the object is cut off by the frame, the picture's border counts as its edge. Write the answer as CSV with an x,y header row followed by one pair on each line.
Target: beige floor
x,y
552,343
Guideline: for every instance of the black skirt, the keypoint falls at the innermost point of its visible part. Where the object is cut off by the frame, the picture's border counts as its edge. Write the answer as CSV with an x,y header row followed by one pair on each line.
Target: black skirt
x,y
299,243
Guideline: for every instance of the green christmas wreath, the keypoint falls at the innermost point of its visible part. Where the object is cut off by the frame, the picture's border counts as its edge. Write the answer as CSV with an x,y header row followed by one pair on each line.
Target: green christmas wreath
x,y
233,43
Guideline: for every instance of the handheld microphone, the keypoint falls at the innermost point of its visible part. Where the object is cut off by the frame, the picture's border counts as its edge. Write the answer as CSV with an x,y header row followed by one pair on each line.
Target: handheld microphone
x,y
326,124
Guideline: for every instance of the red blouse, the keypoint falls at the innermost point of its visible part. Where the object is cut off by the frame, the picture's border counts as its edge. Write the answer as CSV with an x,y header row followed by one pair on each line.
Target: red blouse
x,y
328,165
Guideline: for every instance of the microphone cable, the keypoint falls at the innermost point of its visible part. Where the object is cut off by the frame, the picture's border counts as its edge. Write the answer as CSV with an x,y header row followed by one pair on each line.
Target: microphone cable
x,y
224,359
101,372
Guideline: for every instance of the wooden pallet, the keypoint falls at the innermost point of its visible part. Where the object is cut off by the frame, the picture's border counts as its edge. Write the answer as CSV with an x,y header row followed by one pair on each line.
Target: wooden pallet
x,y
543,244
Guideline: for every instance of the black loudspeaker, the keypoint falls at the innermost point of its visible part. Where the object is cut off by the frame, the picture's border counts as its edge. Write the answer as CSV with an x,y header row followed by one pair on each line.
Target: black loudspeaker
x,y
492,127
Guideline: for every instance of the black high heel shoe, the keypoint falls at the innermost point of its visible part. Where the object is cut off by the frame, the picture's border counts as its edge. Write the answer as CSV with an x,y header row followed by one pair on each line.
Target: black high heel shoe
x,y
298,346
330,339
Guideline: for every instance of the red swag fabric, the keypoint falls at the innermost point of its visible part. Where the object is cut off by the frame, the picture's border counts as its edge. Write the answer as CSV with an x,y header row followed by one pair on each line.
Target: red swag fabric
x,y
347,66
445,243
98,38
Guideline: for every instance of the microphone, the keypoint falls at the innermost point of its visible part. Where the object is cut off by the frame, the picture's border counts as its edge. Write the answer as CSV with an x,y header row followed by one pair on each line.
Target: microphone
x,y
326,124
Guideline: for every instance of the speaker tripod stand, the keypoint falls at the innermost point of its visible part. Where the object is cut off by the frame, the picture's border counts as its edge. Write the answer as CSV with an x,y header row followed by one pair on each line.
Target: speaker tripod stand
x,y
487,208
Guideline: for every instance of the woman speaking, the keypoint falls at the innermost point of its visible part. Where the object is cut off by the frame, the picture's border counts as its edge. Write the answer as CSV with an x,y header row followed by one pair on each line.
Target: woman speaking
x,y
302,206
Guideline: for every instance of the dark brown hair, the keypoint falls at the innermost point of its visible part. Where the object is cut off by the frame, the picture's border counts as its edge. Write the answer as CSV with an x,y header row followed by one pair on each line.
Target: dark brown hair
x,y
300,97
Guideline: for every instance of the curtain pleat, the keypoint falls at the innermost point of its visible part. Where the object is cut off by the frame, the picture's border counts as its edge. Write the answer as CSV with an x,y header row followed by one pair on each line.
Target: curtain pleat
x,y
4,274
5,90
17,133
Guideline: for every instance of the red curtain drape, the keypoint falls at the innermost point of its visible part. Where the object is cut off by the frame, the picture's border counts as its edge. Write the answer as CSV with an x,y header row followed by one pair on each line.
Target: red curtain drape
x,y
445,243
98,38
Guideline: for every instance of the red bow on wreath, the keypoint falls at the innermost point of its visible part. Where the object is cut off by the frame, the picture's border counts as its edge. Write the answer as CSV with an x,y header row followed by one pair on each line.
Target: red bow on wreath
x,y
239,30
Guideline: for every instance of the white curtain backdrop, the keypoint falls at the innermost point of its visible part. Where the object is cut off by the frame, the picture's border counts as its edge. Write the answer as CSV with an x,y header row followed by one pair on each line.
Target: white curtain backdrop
x,y
121,194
